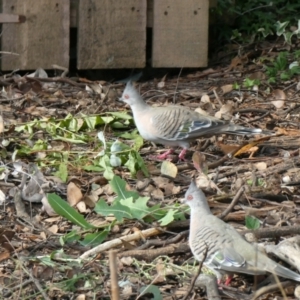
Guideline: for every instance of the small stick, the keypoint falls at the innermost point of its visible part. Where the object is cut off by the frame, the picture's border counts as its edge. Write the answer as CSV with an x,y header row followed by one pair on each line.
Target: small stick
x,y
232,204
119,242
197,274
273,232
115,295
272,288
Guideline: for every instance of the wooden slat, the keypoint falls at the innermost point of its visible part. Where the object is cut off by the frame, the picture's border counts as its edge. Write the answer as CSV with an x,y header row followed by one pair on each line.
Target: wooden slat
x,y
180,33
111,34
10,18
42,40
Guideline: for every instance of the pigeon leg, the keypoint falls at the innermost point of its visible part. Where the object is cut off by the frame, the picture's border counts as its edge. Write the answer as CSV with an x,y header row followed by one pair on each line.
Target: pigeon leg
x,y
228,280
182,155
165,155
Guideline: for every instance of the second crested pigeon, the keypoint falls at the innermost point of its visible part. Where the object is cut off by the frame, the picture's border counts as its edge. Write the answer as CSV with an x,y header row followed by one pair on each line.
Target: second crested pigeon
x,y
227,251
175,125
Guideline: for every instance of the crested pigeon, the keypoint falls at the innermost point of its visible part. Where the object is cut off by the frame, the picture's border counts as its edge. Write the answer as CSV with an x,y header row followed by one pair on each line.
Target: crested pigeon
x,y
227,251
175,125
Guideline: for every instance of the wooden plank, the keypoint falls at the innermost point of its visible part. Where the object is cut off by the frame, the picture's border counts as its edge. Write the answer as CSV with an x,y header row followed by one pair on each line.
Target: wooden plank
x,y
111,34
42,40
9,18
180,33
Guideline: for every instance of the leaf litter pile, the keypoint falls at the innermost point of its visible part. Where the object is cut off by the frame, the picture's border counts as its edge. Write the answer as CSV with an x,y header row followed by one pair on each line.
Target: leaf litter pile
x,y
86,214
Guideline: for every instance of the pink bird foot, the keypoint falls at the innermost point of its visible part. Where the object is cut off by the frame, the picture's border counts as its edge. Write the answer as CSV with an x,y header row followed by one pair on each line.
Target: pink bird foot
x,y
181,155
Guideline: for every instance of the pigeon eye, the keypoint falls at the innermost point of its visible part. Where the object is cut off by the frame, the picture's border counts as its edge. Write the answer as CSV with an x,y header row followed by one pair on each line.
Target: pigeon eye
x,y
189,197
126,96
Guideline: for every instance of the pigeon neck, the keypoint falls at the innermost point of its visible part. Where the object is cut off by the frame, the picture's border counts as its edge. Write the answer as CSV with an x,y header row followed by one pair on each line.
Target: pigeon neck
x,y
199,209
139,106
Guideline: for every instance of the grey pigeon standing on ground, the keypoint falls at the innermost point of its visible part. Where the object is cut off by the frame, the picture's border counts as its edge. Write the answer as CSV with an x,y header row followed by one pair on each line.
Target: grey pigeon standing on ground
x,y
227,252
175,125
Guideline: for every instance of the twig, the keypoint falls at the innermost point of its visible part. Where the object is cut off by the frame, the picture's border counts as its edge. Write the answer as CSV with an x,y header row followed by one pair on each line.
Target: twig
x,y
150,254
271,288
119,241
210,283
174,99
232,204
115,295
273,232
218,162
197,274
173,240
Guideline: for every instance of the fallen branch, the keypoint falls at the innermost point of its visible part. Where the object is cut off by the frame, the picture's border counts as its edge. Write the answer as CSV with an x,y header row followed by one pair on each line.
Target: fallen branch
x,y
119,241
276,232
197,274
232,204
150,254
115,295
272,288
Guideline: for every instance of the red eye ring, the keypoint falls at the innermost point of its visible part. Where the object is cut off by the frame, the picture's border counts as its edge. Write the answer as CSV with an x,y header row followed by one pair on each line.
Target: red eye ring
x,y
189,197
126,96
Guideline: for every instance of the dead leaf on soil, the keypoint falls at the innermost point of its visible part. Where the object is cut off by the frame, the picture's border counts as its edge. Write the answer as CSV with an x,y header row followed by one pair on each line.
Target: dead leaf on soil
x,y
81,207
277,98
168,169
53,228
251,146
205,99
288,132
227,88
225,112
228,149
74,194
199,162
261,166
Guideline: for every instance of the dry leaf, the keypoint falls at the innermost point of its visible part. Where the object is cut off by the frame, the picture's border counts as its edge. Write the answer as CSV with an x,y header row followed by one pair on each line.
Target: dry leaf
x,y
261,166
168,169
157,194
1,124
201,111
199,162
228,149
74,194
90,200
205,99
257,75
126,260
247,148
227,88
47,207
289,132
53,228
81,207
278,98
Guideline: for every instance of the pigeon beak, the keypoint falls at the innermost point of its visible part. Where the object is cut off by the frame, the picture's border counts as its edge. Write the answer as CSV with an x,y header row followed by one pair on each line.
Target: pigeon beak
x,y
182,200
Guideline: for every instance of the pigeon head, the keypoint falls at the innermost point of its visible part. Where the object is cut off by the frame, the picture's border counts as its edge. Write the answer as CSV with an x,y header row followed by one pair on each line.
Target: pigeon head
x,y
195,198
131,96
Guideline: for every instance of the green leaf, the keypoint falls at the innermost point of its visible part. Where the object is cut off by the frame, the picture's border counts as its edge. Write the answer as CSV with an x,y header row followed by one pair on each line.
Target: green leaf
x,y
121,115
280,27
70,237
138,208
252,222
62,208
119,187
168,218
62,172
152,289
117,209
93,121
93,168
105,164
94,239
